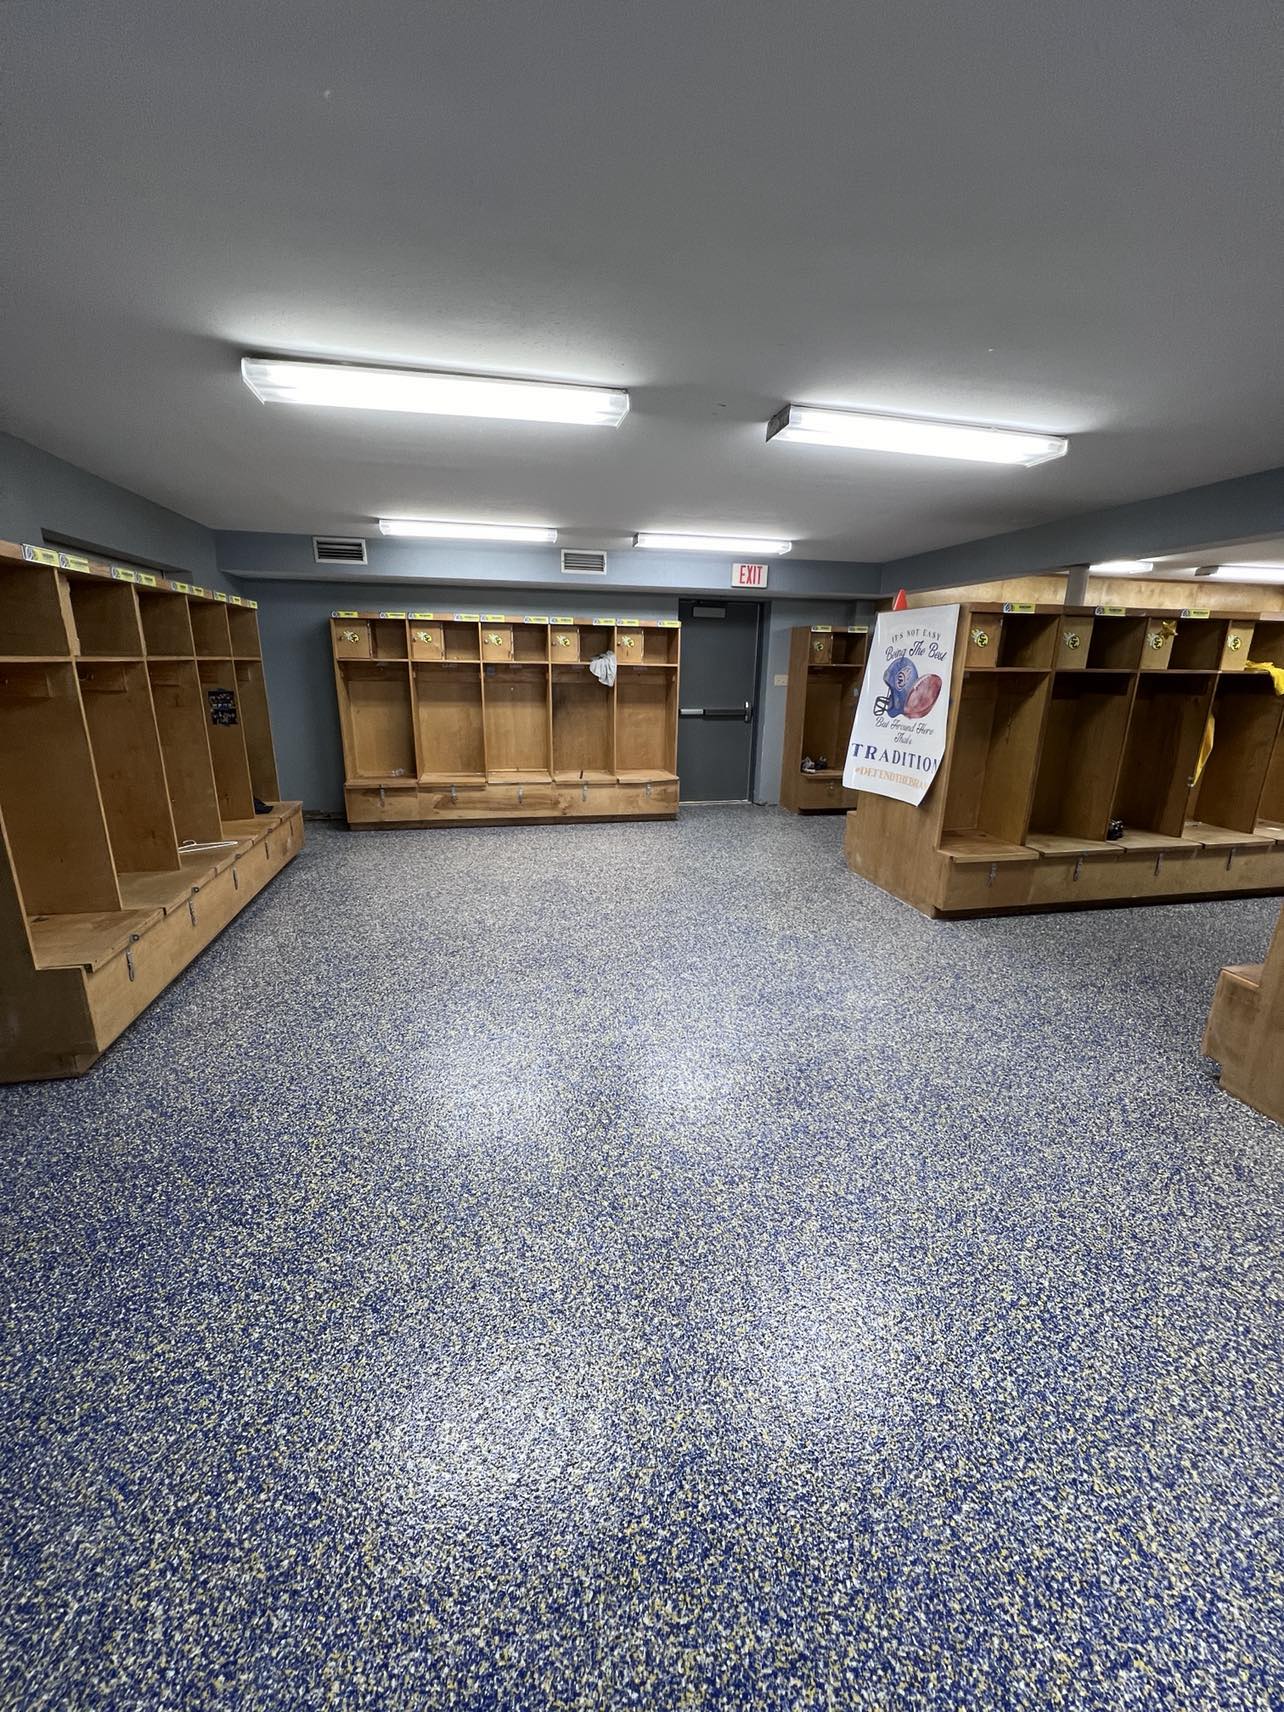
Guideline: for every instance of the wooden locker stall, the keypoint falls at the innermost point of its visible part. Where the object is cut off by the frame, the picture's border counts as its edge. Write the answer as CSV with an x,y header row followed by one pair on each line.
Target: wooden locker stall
x,y
826,669
130,754
1093,756
476,717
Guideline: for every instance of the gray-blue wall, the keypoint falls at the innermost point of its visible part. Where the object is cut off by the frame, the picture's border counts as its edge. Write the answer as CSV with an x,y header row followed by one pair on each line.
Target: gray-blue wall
x,y
42,494
293,623
1221,513
279,571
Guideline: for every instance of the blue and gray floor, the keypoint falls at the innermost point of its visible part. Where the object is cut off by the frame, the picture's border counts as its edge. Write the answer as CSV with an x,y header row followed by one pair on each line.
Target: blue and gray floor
x,y
647,1267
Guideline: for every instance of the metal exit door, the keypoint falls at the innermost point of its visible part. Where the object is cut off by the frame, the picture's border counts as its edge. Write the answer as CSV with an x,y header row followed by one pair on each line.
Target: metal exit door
x,y
717,713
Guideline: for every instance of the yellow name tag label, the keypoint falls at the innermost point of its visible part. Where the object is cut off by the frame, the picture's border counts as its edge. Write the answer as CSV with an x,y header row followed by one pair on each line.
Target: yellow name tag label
x,y
561,621
123,574
670,624
39,555
392,615
1110,611
1018,606
345,614
423,615
146,579
219,595
1195,612
633,622
822,629
468,617
529,620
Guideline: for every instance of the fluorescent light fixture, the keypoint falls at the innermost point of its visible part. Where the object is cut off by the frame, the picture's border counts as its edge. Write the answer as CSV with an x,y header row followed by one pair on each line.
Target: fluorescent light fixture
x,y
866,431
438,529
713,544
353,386
1122,568
1273,574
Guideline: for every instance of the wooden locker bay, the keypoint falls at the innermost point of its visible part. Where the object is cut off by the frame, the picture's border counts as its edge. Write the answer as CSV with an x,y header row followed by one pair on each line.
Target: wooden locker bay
x,y
1064,721
133,731
468,717
826,668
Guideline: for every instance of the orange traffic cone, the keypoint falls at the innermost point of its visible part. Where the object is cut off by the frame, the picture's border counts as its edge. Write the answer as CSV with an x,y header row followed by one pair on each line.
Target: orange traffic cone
x,y
900,604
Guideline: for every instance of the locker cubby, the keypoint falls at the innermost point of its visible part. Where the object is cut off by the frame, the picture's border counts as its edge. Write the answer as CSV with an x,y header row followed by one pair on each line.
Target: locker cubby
x,y
210,630
251,696
994,757
379,725
106,618
530,643
1027,640
583,728
848,648
1197,645
826,669
167,627
1164,734
462,641
35,612
1081,752
828,713
630,645
226,736
595,640
388,639
1116,643
129,764
448,724
1267,642
244,628
1246,715
179,704
49,800
660,647
646,710
515,702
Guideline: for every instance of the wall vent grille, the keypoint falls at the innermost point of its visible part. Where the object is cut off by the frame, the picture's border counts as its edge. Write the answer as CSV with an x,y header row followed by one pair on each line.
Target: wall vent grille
x,y
576,564
339,550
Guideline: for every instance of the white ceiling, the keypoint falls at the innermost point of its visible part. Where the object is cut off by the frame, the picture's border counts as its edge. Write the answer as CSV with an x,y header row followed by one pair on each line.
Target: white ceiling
x,y
1055,217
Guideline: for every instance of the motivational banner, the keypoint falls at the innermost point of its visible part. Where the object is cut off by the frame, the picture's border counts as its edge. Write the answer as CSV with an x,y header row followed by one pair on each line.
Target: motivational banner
x,y
898,736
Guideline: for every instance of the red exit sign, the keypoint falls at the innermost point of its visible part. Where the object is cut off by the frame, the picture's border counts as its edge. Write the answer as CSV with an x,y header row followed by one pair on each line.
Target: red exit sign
x,y
748,576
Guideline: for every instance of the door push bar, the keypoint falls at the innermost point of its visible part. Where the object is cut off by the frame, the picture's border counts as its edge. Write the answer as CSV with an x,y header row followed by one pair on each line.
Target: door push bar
x,y
744,713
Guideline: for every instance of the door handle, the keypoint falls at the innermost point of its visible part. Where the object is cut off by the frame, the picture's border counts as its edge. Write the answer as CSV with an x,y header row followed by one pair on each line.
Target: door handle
x,y
744,712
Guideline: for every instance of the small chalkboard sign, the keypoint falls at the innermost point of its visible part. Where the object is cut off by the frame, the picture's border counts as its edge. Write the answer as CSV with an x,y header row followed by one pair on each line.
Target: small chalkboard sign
x,y
222,707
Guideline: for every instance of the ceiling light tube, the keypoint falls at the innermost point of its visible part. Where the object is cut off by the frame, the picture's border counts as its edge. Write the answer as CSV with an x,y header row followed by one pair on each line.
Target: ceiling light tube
x,y
713,544
1271,574
867,431
353,386
438,529
1122,568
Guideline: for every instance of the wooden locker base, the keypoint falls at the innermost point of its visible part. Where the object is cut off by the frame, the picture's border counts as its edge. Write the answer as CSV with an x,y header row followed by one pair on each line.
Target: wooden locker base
x,y
1245,1030
972,874
490,803
95,973
821,793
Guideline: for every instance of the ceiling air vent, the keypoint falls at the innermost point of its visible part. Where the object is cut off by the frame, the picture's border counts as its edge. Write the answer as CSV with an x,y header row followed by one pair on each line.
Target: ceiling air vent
x,y
583,564
339,550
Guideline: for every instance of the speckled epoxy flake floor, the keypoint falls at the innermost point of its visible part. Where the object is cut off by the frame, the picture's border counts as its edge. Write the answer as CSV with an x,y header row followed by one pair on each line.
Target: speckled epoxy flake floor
x,y
596,1267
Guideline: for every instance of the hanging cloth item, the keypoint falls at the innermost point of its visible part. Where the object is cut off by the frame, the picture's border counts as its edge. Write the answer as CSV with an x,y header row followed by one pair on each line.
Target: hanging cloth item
x,y
1205,750
1276,672
603,669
